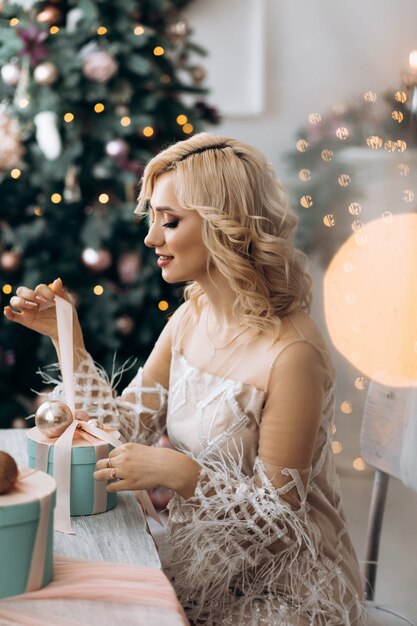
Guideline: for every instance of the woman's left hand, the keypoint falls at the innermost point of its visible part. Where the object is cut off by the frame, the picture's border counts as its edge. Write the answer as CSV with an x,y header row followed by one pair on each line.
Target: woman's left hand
x,y
134,466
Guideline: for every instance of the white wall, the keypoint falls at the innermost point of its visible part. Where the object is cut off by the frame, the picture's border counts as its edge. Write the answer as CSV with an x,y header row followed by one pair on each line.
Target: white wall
x,y
317,52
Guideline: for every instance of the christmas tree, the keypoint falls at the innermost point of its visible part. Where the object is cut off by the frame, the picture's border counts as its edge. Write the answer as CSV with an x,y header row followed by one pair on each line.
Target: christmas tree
x,y
89,91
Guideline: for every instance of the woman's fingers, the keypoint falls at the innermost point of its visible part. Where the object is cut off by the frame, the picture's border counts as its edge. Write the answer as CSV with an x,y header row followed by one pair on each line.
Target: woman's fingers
x,y
21,303
45,292
26,294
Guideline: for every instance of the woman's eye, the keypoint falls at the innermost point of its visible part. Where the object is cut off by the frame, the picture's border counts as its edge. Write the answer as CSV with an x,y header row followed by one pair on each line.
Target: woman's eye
x,y
172,224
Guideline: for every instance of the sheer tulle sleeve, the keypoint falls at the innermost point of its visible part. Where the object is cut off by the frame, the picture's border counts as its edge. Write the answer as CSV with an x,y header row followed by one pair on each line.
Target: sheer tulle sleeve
x,y
139,412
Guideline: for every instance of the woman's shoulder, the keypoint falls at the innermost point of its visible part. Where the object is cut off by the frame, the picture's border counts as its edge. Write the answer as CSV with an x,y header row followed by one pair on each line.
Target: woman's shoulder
x,y
301,340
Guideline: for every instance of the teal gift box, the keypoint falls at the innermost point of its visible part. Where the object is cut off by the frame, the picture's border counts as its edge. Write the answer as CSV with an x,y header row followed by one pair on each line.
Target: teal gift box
x,y
87,496
26,533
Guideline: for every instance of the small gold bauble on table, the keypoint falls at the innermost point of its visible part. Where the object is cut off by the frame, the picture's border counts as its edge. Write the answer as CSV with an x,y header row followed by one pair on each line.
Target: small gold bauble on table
x,y
53,418
8,472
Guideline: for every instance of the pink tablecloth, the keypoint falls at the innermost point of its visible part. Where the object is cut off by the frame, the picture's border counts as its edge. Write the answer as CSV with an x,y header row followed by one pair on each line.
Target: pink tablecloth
x,y
95,594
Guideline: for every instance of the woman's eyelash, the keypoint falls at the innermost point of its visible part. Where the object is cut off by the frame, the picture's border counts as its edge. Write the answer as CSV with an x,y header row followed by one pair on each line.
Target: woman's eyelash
x,y
172,224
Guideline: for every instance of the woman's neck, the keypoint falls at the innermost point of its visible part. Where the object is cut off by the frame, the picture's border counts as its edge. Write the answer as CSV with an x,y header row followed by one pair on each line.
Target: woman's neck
x,y
221,299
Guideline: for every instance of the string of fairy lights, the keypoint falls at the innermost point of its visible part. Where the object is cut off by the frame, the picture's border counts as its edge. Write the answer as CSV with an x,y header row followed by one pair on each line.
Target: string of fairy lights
x,y
335,131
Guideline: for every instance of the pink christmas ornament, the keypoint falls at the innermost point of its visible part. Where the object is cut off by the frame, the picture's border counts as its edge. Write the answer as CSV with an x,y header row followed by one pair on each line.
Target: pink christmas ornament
x,y
53,418
99,66
96,260
128,267
117,148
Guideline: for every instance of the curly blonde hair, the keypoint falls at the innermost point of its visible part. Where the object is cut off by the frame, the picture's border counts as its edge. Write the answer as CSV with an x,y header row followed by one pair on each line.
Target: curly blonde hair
x,y
248,225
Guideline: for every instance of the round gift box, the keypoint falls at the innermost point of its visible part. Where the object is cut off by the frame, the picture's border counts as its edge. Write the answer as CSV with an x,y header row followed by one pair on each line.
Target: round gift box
x,y
20,534
83,464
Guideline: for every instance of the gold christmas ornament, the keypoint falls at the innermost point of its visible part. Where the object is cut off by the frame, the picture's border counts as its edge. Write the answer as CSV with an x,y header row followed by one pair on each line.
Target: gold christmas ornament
x,y
53,418
8,472
49,15
45,73
12,149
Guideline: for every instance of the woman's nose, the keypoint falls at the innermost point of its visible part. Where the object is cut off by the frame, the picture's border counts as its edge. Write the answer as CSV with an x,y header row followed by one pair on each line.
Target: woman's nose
x,y
155,236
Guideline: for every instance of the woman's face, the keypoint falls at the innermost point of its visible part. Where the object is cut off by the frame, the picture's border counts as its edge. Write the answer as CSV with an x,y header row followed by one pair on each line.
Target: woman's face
x,y
175,233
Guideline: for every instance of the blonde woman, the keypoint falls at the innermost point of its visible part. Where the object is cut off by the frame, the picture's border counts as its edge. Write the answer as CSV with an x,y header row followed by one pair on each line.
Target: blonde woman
x,y
242,381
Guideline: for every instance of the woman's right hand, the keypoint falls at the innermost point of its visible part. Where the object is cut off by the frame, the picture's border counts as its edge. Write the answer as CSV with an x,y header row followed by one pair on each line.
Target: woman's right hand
x,y
25,309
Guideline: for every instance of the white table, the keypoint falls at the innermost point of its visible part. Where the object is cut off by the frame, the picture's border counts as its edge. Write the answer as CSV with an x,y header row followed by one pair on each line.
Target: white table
x,y
120,535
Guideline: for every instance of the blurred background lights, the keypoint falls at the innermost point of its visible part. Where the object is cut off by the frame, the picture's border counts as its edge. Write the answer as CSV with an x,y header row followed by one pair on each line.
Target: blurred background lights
x,y
158,51
327,155
408,195
68,117
163,305
359,464
7,289
400,96
99,107
304,175
360,383
56,198
302,145
346,407
314,118
354,208
188,129
329,220
101,30
138,30
306,202
342,133
103,198
15,173
384,286
182,119
148,131
337,447
14,21
98,290
370,96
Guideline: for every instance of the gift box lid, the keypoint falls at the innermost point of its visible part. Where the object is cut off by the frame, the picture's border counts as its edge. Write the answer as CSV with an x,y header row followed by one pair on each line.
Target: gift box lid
x,y
83,450
21,504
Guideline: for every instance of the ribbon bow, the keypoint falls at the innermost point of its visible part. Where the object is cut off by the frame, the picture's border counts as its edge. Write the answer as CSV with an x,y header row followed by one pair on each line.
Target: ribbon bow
x,y
63,444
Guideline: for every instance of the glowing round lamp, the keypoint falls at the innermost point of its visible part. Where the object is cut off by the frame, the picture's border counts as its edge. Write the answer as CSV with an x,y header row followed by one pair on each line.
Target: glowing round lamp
x,y
370,298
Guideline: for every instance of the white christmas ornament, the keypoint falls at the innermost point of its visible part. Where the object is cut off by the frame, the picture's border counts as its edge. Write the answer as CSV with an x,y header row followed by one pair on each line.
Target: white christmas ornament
x,y
47,134
73,17
10,74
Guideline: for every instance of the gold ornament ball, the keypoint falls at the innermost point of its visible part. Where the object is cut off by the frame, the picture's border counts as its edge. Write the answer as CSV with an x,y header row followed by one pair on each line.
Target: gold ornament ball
x,y
49,15
45,73
53,418
8,472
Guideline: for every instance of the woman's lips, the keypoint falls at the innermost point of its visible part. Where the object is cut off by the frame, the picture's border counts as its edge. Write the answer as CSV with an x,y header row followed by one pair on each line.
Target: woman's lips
x,y
163,261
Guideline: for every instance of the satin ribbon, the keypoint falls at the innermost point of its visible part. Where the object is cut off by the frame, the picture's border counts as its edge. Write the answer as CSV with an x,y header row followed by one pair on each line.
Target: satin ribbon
x,y
37,564
63,444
